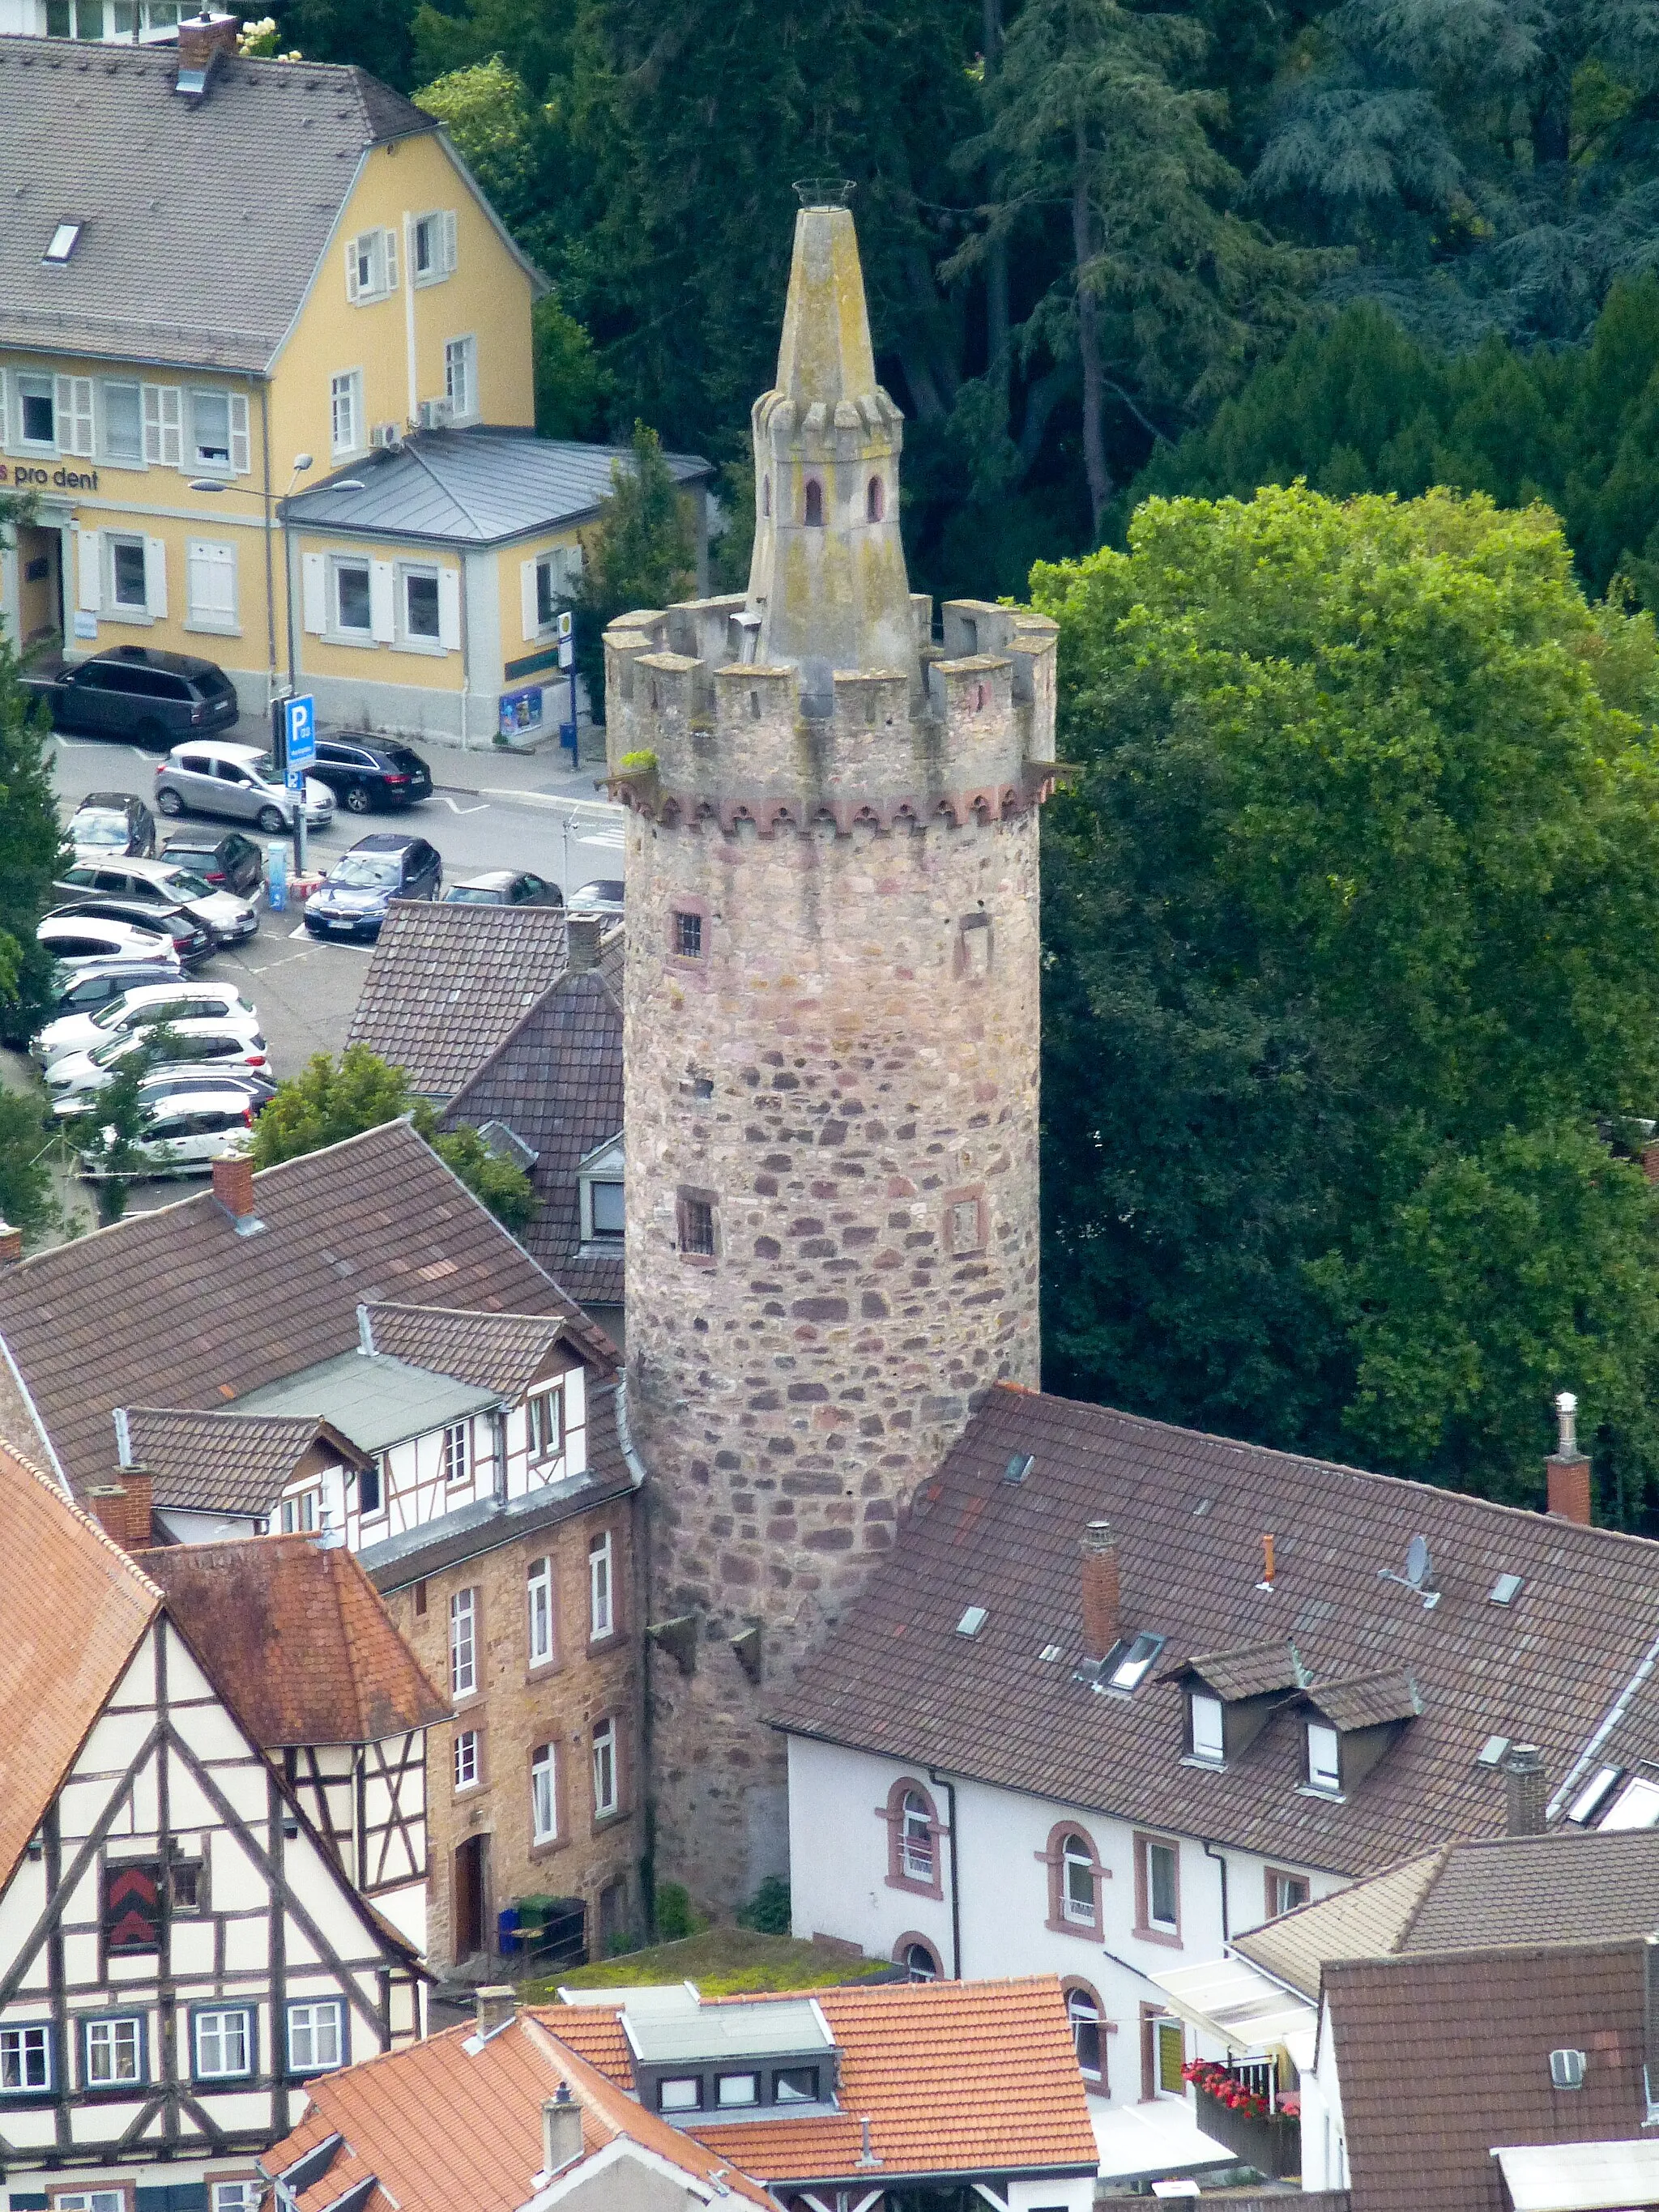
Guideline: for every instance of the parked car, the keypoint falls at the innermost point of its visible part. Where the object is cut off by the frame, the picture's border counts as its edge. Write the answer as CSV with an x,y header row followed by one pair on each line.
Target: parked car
x,y
603,896
224,1039
353,897
191,940
239,782
81,941
133,693
112,823
82,986
363,775
223,858
164,883
504,887
184,1128
147,1006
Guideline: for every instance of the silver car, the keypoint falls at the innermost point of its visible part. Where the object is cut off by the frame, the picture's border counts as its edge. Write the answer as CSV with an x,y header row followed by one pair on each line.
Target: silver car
x,y
237,781
163,883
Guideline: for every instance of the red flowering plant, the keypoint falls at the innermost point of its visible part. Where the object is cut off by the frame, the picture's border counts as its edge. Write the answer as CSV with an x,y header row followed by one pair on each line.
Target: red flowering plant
x,y
1225,2088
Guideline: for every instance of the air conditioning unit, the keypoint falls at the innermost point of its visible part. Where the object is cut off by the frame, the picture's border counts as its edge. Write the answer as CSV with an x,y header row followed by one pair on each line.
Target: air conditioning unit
x,y
435,414
383,435
1567,2069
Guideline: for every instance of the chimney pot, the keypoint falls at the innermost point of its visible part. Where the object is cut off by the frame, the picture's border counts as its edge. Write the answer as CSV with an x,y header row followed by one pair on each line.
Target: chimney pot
x,y
562,2130
582,933
233,1186
124,1509
1100,1602
497,2002
1524,1793
1566,1471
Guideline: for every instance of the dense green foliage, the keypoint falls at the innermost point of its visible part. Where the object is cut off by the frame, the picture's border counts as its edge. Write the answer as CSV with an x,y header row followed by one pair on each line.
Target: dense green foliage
x,y
638,553
1352,920
31,840
330,1100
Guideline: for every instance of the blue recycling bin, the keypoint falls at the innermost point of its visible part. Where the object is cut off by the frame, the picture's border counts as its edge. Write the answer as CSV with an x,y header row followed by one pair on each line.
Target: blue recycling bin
x,y
507,1938
568,739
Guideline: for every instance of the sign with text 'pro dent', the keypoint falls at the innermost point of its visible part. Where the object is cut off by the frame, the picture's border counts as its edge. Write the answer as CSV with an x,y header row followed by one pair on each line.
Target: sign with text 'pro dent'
x,y
299,739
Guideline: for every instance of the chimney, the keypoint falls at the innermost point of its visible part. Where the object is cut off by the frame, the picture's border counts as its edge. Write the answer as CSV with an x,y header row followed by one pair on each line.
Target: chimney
x,y
562,2130
124,1509
1524,1794
11,1244
1567,1471
233,1186
582,933
202,39
497,2002
1100,1590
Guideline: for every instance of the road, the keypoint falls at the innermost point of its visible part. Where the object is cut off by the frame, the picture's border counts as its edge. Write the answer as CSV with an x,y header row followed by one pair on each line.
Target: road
x,y
489,809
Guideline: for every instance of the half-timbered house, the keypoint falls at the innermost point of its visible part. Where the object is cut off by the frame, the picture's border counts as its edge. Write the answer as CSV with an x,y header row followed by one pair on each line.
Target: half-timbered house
x,y
181,1952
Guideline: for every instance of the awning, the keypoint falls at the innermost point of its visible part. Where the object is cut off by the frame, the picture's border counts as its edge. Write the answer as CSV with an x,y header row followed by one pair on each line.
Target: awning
x,y
1155,2142
1581,2176
1239,2007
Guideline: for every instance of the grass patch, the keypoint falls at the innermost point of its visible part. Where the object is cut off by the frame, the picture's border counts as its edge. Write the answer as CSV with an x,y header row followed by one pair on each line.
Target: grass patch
x,y
722,1961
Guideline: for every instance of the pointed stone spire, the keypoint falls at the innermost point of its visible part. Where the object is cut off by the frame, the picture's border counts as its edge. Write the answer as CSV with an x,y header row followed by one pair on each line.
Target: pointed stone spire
x,y
828,579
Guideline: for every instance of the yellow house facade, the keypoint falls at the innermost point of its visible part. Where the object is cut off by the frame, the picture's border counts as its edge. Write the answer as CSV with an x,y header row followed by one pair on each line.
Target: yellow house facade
x,y
223,281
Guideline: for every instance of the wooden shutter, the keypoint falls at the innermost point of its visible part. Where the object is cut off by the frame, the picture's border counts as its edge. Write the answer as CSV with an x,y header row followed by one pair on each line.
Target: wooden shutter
x,y
163,418
449,609
316,593
382,576
90,595
448,228
73,415
389,265
352,286
211,578
156,576
528,599
239,437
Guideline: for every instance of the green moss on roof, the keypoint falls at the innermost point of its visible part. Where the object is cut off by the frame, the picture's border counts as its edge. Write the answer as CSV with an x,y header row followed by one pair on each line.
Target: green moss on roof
x,y
722,1962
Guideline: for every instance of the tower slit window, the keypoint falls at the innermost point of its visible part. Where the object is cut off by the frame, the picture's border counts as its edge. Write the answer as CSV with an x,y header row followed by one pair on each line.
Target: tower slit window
x,y
814,504
875,500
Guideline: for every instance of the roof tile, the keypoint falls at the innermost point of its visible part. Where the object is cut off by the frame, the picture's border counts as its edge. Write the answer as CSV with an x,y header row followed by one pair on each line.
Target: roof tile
x,y
446,984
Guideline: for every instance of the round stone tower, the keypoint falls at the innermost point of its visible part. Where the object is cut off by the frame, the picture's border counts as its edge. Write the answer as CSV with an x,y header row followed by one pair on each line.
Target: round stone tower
x,y
831,1042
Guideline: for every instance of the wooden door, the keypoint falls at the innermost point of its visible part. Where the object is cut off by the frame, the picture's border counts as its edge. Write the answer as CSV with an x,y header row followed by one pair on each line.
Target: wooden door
x,y
471,1902
40,606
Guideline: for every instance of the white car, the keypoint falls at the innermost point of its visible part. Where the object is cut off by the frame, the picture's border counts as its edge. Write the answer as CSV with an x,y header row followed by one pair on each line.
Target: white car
x,y
77,939
230,1043
161,883
185,1133
145,1007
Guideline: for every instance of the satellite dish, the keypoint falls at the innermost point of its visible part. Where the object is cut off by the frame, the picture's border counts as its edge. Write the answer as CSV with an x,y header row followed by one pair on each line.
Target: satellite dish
x,y
1418,1569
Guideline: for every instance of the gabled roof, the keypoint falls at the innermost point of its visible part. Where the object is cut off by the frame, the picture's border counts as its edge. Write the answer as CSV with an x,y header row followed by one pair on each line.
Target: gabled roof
x,y
225,1462
502,1353
1362,1701
1357,1923
97,135
1188,1512
179,1306
447,984
297,1638
75,1607
556,1081
479,486
1254,1672
1571,1887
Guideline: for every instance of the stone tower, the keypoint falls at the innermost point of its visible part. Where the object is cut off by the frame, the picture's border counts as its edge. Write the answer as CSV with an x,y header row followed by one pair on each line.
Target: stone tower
x,y
831,1055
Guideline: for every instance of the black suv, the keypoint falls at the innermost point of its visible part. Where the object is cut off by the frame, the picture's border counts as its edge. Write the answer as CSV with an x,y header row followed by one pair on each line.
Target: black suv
x,y
137,695
361,775
223,858
353,896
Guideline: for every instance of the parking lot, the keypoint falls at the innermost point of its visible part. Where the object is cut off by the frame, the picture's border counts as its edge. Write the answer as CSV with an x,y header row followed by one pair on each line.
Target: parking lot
x,y
489,809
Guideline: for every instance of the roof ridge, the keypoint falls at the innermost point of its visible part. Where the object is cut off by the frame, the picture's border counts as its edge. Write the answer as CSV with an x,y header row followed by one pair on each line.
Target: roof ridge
x,y
564,976
89,1520
1442,1860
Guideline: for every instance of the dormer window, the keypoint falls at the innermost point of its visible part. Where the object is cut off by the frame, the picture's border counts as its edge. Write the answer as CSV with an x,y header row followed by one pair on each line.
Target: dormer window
x,y
1324,1759
1206,1718
679,2093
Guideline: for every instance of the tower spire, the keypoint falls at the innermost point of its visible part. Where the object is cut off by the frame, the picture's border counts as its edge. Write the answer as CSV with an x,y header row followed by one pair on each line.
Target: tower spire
x,y
828,579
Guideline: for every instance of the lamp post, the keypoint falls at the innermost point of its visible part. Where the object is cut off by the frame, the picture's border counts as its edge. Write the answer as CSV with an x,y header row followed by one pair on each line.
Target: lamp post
x,y
279,747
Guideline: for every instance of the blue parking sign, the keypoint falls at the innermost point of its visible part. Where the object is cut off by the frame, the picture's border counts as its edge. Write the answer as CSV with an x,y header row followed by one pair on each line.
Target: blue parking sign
x,y
300,732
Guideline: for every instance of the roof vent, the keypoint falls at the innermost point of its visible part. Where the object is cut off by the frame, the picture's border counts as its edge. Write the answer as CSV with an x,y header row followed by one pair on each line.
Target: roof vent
x,y
1505,1590
1418,1575
1566,2070
1018,1466
972,1620
1491,1752
123,1437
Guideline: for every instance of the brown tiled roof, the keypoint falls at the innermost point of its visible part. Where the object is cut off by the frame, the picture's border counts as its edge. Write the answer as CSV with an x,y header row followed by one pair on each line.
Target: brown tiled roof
x,y
1363,1920
503,1353
297,1638
177,1307
225,1462
446,984
75,1608
556,1081
1365,1701
1253,1672
1571,1887
895,1678
613,958
954,2077
1443,2056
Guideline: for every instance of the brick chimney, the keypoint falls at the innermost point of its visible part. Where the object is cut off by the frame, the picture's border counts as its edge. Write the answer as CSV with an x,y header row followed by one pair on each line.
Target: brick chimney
x,y
1100,1590
233,1186
1524,1793
1567,1471
124,1510
562,2130
582,933
201,36
497,2002
11,1245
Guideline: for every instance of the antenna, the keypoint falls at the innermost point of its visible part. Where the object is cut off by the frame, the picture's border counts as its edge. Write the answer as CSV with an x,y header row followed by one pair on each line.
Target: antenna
x,y
1418,1575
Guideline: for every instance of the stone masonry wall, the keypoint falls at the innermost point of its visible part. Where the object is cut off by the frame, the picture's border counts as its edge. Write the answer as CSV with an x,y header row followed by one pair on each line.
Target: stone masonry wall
x,y
848,1073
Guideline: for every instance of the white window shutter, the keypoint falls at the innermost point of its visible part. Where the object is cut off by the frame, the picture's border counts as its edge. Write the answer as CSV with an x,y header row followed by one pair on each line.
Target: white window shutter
x,y
169,417
239,439
156,576
63,414
449,609
5,419
381,621
351,270
73,413
316,593
528,599
573,566
211,579
91,593
153,424
449,240
390,238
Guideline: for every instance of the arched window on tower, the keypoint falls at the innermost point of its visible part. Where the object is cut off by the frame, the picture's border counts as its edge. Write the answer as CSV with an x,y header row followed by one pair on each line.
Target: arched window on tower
x,y
814,504
875,500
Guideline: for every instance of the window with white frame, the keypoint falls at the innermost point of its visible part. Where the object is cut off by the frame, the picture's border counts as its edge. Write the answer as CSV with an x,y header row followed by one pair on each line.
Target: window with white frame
x,y
544,1416
1077,1888
539,1603
37,416
545,1795
1083,2010
601,1613
464,1643
89,2200
371,266
423,624
461,378
233,2195
609,1207
345,400
1209,1741
218,432
25,2058
301,1512
354,601
1158,1883
1286,1892
433,247
129,583
371,1487
210,583
467,1759
114,2051
915,1838
314,2035
455,1458
121,414
605,1799
1324,1759
224,2043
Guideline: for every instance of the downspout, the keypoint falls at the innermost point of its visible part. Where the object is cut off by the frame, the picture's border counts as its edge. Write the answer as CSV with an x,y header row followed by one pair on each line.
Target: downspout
x,y
466,657
270,564
408,319
940,1782
1226,1933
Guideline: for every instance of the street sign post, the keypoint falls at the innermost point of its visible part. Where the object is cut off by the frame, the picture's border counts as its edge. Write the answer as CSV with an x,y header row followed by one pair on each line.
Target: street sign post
x,y
297,751
567,665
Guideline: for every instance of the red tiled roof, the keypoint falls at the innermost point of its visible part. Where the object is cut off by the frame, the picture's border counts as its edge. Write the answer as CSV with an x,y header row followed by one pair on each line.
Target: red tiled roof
x,y
298,1639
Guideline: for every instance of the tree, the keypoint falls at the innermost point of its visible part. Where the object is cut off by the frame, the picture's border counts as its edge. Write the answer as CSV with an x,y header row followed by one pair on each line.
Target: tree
x,y
31,839
1352,921
332,1100
638,553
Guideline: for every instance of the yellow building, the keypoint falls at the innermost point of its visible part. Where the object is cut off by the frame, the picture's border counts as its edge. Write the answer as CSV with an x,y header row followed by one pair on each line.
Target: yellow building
x,y
212,270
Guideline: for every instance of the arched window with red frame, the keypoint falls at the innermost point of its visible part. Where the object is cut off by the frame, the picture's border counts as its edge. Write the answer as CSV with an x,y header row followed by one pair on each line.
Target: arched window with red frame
x,y
1075,1875
913,1839
1088,2025
919,1958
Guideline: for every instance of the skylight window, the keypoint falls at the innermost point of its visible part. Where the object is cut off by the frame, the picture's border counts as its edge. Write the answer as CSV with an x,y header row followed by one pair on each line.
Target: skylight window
x,y
1049,1652
1130,1665
1584,1806
63,242
972,1620
1636,1806
1019,1468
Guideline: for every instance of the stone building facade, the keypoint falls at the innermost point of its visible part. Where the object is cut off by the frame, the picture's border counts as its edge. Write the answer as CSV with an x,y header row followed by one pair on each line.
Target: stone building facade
x,y
831,1049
